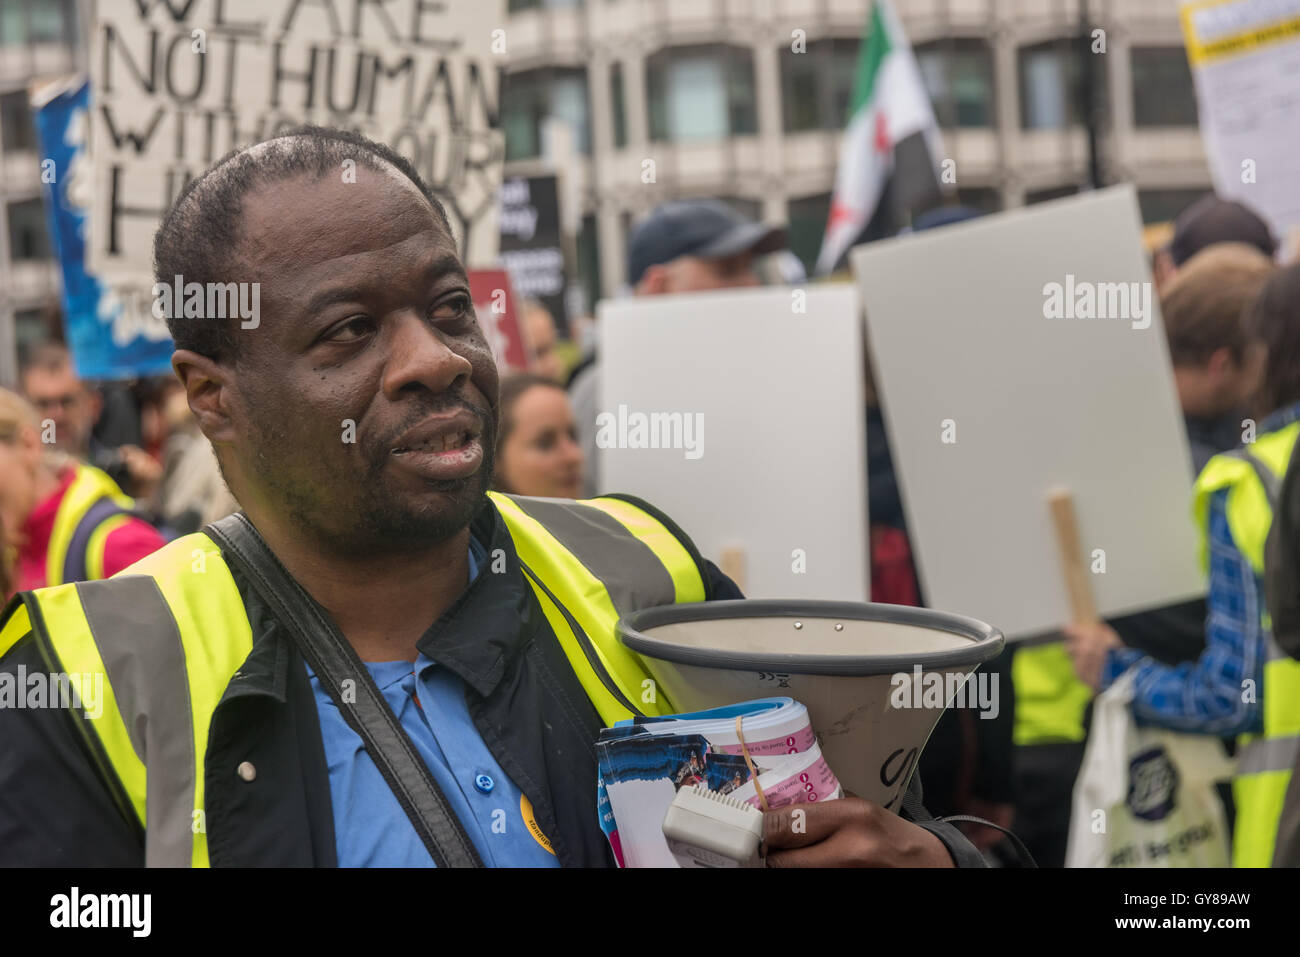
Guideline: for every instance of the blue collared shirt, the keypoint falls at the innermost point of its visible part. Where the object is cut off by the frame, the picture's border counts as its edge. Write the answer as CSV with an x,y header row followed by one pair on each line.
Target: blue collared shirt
x,y
370,828
1207,695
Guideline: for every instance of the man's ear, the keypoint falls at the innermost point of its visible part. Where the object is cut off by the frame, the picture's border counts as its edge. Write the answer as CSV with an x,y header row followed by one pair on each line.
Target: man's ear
x,y
206,389
654,282
1220,362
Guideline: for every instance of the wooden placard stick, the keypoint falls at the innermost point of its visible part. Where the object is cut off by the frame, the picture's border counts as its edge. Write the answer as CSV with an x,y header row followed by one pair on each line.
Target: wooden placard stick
x,y
1083,609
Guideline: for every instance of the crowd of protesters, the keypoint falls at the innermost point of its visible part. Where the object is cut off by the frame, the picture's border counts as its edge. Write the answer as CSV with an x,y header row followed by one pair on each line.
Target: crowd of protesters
x,y
1232,317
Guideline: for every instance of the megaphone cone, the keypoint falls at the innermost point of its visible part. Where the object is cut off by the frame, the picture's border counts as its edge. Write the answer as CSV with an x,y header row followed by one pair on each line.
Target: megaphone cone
x,y
875,678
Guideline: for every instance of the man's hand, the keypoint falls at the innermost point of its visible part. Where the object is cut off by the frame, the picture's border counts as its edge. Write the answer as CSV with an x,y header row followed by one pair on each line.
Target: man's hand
x,y
144,469
1087,644
849,832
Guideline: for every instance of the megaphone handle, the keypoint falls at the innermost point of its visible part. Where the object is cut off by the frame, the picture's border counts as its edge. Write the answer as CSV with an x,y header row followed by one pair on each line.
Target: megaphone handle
x,y
1083,609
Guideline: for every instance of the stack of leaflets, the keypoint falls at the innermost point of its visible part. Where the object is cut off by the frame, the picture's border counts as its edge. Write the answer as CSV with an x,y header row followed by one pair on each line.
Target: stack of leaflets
x,y
644,761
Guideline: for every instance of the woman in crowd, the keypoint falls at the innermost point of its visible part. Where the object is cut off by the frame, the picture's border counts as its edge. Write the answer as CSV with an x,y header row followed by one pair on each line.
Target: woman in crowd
x,y
63,520
537,450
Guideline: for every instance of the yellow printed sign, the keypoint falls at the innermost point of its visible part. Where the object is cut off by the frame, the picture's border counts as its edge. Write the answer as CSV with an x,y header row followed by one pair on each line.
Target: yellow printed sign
x,y
1214,30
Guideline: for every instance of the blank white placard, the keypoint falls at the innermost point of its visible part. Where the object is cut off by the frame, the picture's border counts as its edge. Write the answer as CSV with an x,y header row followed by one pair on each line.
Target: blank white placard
x,y
956,322
783,463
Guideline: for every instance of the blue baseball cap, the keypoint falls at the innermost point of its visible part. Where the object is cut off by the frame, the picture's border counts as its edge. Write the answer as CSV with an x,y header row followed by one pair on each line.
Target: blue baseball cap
x,y
707,228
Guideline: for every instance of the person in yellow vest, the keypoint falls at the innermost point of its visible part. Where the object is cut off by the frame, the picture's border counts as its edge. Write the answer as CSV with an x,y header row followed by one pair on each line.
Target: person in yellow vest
x,y
1242,684
354,413
1215,375
66,521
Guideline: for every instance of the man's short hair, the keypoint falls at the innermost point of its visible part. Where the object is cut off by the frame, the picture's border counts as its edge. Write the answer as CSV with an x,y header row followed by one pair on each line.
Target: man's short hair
x,y
45,357
1205,304
199,236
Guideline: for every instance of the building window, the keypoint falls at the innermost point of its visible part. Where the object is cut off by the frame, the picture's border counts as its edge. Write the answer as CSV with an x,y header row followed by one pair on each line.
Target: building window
x,y
17,132
617,104
1164,205
701,93
958,75
28,237
817,85
1163,94
806,226
531,98
51,21
35,21
1050,78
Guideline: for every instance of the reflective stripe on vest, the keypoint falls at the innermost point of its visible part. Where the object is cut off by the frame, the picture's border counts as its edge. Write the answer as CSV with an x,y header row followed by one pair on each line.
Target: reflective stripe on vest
x,y
590,563
1050,698
75,551
1265,762
178,622
162,679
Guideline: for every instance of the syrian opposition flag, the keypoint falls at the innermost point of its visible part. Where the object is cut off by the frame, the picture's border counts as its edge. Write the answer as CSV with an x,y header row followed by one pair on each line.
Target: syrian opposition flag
x,y
890,105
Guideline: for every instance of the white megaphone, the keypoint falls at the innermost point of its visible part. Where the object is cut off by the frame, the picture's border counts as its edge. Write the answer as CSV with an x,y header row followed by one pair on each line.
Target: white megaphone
x,y
875,678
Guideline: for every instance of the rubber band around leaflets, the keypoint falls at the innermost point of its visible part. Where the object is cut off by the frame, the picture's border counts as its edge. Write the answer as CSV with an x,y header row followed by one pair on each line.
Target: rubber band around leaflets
x,y
749,763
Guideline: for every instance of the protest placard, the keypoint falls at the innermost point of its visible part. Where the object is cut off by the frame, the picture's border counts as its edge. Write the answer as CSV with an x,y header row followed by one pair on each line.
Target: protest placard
x,y
1016,355
178,83
107,339
741,414
498,316
1245,56
531,248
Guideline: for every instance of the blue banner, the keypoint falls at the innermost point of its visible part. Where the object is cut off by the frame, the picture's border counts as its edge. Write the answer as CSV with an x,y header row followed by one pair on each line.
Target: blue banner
x,y
109,337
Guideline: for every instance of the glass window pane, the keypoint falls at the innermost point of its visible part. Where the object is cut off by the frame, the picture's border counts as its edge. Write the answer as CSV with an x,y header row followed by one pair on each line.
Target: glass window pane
x,y
1044,90
1163,94
47,21
13,22
958,75
799,99
568,102
740,91
697,99
17,132
28,238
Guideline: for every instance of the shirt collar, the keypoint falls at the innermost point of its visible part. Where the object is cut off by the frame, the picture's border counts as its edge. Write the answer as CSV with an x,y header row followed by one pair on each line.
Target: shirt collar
x,y
1281,418
476,638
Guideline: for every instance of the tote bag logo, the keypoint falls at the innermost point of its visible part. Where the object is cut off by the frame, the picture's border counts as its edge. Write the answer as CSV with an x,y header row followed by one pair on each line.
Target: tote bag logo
x,y
1152,784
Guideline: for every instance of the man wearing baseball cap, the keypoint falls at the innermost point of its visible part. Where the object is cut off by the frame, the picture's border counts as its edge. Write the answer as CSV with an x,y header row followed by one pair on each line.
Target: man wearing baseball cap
x,y
689,245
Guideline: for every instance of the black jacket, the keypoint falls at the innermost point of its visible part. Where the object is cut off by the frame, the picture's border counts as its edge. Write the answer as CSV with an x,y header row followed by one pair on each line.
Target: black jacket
x,y
529,707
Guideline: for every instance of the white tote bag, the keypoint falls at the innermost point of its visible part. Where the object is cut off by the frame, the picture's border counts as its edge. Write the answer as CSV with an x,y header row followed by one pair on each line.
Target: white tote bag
x,y
1145,796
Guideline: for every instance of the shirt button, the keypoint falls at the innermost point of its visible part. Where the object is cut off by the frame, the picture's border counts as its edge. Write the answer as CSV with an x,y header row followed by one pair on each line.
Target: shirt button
x,y
484,783
246,770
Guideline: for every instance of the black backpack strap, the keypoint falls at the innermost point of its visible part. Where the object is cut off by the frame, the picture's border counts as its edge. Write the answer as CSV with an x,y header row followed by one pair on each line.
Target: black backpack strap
x,y
76,565
334,661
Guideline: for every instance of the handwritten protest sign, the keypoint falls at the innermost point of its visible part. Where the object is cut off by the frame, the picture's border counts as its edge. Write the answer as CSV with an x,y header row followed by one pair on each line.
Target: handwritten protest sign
x,y
178,83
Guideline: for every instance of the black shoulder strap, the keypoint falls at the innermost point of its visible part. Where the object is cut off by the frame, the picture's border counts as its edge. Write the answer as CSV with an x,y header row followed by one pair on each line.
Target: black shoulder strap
x,y
334,661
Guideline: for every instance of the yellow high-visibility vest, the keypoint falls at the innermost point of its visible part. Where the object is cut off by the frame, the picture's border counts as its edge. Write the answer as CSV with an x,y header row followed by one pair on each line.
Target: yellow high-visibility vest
x,y
1050,698
1264,761
174,622
92,507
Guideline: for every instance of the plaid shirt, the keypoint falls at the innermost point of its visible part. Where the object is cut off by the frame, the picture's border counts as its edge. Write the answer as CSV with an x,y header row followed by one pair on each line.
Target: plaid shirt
x,y
1206,695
